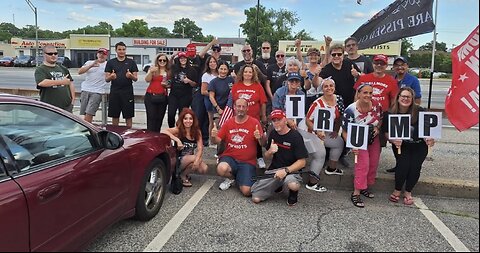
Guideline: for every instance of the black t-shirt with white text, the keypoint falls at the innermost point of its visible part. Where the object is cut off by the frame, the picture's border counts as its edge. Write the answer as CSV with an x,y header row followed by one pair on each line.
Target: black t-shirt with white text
x,y
274,72
290,148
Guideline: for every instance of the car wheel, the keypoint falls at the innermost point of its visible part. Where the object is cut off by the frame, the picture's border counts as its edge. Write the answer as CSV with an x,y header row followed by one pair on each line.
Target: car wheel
x,y
152,191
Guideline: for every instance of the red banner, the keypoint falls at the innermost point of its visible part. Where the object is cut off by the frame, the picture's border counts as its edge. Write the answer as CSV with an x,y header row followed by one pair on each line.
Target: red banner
x,y
461,104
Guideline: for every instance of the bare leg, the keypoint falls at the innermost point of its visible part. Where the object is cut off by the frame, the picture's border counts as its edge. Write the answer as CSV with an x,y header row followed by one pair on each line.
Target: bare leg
x,y
88,118
115,121
129,122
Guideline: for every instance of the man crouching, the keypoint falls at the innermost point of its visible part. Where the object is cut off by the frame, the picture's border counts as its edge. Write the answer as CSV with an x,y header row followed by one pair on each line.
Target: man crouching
x,y
289,154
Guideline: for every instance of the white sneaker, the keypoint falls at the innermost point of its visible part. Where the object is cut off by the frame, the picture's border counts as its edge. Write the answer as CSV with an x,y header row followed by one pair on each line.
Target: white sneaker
x,y
226,184
261,163
316,187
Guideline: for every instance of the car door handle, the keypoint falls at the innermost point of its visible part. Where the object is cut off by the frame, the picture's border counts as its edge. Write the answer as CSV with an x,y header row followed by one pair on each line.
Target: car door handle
x,y
49,192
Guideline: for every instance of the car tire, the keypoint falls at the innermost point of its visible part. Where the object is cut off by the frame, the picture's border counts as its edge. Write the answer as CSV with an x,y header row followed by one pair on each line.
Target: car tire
x,y
152,191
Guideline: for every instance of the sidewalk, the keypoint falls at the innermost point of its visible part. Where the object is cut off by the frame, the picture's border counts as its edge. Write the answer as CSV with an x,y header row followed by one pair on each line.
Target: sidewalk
x,y
451,170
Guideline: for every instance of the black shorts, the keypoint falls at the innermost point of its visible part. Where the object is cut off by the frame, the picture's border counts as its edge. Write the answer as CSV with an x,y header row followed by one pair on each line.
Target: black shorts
x,y
121,102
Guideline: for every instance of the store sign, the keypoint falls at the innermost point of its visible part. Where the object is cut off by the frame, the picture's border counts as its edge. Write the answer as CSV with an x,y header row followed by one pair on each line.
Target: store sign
x,y
21,43
391,48
150,42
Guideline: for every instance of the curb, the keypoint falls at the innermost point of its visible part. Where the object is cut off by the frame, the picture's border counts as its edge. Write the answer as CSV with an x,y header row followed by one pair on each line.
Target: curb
x,y
384,183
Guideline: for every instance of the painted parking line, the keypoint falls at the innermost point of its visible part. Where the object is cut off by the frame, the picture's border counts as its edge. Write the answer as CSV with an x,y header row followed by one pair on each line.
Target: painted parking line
x,y
162,238
451,238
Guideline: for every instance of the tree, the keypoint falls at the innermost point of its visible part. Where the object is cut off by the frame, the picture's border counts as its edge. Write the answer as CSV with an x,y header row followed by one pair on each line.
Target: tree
x,y
439,46
272,26
160,32
134,28
407,46
7,31
186,28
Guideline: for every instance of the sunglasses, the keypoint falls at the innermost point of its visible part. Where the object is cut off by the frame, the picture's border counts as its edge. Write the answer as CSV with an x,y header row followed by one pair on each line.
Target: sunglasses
x,y
265,48
162,60
53,53
337,54
280,55
350,45
246,51
216,50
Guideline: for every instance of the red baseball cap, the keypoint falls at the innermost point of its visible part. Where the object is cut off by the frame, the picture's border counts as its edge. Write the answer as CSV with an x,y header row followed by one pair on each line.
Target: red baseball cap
x,y
381,57
191,50
182,54
103,51
277,114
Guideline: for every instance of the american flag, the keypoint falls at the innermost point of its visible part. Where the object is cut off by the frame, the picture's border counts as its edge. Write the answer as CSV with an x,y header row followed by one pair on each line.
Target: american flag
x,y
226,115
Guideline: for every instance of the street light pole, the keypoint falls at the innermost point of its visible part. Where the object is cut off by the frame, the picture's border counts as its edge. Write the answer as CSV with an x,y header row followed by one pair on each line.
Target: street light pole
x,y
34,9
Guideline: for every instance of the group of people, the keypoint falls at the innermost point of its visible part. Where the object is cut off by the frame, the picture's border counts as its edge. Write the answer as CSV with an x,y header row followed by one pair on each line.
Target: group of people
x,y
200,86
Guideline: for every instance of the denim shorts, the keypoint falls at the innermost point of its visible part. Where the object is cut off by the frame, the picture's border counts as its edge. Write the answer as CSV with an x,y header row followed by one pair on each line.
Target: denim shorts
x,y
243,172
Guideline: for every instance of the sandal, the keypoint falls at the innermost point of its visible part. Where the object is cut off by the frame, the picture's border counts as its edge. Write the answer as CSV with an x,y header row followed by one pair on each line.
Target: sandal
x,y
357,201
367,194
186,183
394,198
408,201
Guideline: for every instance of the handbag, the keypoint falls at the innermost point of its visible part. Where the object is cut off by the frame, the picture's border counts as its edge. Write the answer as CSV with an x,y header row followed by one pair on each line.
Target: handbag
x,y
158,98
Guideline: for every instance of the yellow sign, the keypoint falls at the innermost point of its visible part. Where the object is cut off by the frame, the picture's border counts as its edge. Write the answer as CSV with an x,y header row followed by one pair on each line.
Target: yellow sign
x,y
391,48
21,43
89,41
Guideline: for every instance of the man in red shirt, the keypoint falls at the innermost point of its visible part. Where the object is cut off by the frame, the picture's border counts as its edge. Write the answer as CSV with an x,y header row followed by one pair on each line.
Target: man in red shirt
x,y
240,135
385,87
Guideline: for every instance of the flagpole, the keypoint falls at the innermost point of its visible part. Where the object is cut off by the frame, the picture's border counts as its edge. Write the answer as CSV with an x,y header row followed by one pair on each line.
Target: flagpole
x,y
433,55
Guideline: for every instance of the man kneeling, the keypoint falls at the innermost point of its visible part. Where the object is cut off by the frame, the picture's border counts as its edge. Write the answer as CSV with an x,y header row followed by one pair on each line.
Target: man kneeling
x,y
289,154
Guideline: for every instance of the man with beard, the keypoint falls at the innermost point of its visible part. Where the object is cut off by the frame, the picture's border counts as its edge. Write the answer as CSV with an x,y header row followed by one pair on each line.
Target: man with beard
x,y
266,57
240,135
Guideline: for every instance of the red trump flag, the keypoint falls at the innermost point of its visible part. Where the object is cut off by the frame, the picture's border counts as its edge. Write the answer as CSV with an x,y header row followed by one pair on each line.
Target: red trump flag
x,y
461,104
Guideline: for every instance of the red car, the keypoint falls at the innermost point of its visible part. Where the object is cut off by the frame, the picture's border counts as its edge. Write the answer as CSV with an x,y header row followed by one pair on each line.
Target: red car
x,y
7,61
63,180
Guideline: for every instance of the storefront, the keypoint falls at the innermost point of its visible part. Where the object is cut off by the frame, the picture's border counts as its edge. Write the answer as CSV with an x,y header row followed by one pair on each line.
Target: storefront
x,y
83,47
28,46
144,50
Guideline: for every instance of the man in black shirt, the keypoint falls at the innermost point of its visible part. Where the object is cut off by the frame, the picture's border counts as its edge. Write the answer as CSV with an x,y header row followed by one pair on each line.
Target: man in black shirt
x,y
289,154
363,63
266,57
122,72
274,80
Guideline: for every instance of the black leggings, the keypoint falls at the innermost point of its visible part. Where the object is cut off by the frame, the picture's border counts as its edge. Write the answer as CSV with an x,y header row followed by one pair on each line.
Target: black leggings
x,y
409,164
155,113
177,102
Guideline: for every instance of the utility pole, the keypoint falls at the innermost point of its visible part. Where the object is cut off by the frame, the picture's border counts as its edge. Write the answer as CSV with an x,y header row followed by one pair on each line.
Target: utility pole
x,y
34,9
256,33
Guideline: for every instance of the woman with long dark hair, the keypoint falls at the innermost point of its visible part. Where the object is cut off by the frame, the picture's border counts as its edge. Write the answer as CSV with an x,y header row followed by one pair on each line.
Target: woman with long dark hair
x,y
156,97
413,151
188,137
183,79
209,74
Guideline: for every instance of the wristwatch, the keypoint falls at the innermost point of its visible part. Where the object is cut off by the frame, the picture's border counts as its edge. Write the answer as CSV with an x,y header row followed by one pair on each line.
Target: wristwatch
x,y
286,170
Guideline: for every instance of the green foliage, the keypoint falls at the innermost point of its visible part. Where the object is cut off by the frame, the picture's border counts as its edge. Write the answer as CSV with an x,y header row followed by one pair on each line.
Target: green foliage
x,y
272,26
187,28
160,32
443,61
134,28
439,46
407,46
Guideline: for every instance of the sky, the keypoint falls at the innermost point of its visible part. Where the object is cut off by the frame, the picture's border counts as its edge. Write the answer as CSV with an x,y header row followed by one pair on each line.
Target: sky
x,y
221,18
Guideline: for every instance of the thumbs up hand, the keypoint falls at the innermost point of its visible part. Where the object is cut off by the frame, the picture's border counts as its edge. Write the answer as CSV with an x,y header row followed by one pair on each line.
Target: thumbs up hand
x,y
129,74
273,147
113,76
257,133
328,40
354,71
214,132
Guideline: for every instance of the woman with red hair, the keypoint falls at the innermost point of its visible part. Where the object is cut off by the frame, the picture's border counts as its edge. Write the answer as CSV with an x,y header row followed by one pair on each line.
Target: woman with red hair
x,y
188,137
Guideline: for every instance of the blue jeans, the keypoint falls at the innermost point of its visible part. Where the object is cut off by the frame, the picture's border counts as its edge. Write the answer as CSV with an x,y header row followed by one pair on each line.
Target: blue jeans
x,y
198,107
243,172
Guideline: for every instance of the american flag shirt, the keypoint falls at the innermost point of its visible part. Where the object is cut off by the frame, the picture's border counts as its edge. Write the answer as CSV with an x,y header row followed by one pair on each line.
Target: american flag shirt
x,y
372,117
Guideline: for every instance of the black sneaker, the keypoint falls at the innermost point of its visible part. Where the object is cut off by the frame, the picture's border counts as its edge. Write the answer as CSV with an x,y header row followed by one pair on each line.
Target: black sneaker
x,y
392,170
330,171
292,198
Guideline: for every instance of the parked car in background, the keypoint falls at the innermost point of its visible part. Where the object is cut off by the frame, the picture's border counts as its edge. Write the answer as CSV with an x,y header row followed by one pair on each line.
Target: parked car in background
x,y
146,67
7,61
64,180
24,61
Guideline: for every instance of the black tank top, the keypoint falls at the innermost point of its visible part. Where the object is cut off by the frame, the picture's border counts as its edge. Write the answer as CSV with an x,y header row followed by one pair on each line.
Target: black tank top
x,y
189,146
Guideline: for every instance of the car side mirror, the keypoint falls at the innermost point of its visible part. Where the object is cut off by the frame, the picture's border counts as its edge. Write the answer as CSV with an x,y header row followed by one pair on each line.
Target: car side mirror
x,y
110,140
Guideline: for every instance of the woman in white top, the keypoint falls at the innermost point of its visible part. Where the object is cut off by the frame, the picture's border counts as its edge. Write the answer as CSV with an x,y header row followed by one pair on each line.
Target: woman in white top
x,y
209,74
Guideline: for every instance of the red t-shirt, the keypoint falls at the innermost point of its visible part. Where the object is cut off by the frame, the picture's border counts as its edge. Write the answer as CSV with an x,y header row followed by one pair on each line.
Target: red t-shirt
x,y
385,89
254,94
240,142
155,85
